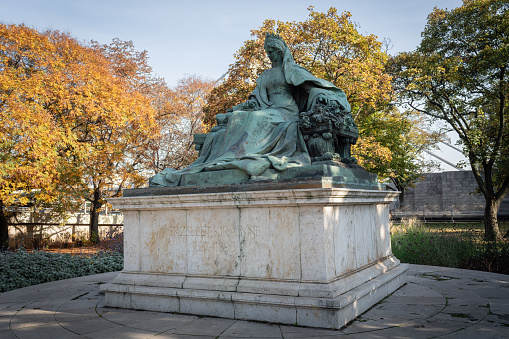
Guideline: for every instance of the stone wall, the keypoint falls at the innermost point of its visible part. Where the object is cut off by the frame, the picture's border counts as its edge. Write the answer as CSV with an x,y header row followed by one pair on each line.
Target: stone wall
x,y
446,195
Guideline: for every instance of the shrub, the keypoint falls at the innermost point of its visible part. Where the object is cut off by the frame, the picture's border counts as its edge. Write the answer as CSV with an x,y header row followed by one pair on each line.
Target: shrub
x,y
415,244
491,257
21,268
448,246
115,244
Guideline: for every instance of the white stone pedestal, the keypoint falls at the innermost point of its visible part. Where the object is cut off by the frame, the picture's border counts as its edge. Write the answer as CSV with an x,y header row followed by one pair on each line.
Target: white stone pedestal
x,y
314,257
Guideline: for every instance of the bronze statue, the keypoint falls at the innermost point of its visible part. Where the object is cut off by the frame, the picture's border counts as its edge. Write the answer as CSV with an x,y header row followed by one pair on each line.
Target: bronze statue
x,y
263,136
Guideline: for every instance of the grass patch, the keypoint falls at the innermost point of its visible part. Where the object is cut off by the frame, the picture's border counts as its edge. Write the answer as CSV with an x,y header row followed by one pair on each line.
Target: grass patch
x,y
458,245
22,268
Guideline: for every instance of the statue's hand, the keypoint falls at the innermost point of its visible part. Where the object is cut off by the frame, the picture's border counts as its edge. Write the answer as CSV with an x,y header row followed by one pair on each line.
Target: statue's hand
x,y
322,99
245,106
249,105
222,118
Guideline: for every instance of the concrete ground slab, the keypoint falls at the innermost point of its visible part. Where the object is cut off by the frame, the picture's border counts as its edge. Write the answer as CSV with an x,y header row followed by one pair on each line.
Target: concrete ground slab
x,y
436,302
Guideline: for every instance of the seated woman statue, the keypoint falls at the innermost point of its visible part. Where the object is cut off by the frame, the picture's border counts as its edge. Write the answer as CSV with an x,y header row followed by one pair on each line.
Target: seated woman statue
x,y
262,135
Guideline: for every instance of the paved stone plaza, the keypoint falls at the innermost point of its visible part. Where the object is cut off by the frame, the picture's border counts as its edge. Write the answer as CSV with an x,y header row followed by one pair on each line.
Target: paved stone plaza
x,y
436,302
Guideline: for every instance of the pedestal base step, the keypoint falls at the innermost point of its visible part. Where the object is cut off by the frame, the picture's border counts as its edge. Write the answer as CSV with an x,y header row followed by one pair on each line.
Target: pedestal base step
x,y
334,312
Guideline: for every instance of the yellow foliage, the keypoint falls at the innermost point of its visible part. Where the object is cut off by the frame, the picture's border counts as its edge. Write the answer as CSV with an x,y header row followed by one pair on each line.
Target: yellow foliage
x,y
66,118
329,46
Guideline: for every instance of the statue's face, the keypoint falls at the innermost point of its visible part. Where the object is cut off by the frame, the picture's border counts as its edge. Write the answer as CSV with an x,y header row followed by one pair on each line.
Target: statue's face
x,y
274,54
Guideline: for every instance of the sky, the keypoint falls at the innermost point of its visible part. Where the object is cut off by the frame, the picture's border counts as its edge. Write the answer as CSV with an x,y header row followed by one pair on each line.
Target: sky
x,y
185,37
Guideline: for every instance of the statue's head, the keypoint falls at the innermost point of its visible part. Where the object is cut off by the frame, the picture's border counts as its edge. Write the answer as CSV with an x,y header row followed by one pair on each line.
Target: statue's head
x,y
274,41
275,47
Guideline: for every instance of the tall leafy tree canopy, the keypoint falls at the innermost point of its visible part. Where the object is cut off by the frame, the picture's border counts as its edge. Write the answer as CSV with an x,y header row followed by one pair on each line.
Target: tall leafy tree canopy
x,y
179,112
459,74
330,46
66,118
179,117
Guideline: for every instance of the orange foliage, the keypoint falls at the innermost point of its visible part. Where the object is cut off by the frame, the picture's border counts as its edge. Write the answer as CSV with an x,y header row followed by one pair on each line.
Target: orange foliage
x,y
179,112
69,122
180,115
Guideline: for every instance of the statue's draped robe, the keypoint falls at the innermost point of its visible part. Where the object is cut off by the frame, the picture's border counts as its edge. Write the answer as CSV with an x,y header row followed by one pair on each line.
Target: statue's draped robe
x,y
268,137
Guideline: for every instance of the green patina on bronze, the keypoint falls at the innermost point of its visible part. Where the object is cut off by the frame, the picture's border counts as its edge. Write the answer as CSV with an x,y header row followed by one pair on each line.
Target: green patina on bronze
x,y
291,122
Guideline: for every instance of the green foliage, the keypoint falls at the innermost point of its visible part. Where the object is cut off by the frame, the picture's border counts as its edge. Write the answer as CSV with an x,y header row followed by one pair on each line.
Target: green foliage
x,y
491,257
459,74
21,268
401,138
328,45
443,245
412,243
331,47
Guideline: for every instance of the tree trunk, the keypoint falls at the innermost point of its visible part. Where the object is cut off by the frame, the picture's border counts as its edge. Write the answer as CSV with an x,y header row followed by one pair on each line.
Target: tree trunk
x,y
94,216
400,188
491,230
401,195
4,229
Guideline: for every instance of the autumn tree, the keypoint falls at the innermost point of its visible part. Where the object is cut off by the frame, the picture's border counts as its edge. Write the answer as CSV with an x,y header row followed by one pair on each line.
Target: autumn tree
x,y
329,46
117,150
180,115
33,146
459,75
64,115
179,109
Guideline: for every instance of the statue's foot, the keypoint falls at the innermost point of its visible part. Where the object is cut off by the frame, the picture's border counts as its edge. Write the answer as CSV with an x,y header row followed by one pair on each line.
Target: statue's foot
x,y
269,174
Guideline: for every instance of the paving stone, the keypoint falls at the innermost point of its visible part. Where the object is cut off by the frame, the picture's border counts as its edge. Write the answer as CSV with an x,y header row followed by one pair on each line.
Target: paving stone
x,y
365,325
477,332
53,331
465,318
248,329
7,335
9,309
494,321
477,307
5,323
416,330
86,325
390,320
79,307
32,318
205,326
121,332
294,332
403,311
494,293
415,300
22,296
62,317
164,322
127,317
415,290
183,336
